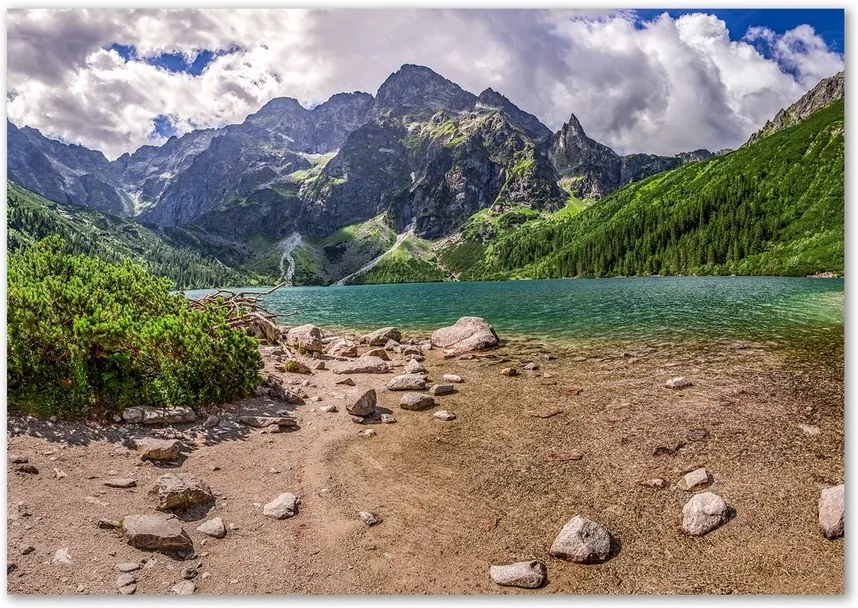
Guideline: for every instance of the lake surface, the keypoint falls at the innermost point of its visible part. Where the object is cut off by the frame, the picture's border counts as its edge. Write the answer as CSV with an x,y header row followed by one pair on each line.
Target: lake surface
x,y
641,308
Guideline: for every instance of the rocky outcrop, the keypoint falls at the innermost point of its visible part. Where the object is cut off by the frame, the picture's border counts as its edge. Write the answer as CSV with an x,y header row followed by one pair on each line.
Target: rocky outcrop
x,y
466,335
822,95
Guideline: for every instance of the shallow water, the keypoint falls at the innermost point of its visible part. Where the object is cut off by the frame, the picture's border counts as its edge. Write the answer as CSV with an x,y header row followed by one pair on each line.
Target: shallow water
x,y
641,308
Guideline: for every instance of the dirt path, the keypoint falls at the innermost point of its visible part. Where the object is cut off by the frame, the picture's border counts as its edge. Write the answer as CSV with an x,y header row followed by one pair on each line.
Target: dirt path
x,y
457,496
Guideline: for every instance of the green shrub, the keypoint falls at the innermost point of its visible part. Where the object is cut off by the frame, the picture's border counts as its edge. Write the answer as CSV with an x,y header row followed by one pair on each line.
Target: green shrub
x,y
87,337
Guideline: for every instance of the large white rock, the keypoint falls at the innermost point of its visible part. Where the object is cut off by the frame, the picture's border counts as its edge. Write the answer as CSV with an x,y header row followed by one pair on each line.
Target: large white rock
x,y
583,541
467,334
703,513
307,338
285,505
342,348
528,575
831,505
362,365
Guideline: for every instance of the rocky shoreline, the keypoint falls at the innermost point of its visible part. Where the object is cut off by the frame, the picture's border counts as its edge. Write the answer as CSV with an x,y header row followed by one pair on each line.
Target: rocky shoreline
x,y
348,387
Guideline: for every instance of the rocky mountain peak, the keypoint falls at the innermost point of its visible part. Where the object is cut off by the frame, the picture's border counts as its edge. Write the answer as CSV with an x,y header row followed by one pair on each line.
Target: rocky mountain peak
x,y
530,124
573,128
415,88
825,93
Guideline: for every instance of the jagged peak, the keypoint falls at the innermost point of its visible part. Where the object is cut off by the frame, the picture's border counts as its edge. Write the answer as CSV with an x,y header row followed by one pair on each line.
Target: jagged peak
x,y
573,126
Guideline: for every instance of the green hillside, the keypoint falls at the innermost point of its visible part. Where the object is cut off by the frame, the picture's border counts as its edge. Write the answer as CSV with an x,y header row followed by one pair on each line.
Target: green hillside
x,y
31,217
774,208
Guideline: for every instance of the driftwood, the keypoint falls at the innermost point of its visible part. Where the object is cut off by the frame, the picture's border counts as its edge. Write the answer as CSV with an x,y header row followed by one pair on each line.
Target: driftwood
x,y
244,310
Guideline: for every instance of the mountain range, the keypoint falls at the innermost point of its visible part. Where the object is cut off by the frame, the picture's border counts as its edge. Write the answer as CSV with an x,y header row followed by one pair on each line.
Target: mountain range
x,y
390,185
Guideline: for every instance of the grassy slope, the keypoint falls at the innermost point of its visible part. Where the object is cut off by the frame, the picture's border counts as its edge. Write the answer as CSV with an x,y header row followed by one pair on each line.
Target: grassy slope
x,y
31,217
774,208
411,262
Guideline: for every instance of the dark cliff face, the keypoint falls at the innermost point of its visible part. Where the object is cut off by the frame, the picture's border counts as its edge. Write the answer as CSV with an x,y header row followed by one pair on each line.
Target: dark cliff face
x,y
423,151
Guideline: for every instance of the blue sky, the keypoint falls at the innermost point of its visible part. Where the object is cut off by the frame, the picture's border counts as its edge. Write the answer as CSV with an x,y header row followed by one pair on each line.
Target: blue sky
x,y
828,23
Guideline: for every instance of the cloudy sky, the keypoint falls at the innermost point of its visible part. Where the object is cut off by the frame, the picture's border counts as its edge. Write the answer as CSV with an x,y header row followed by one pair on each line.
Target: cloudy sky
x,y
645,81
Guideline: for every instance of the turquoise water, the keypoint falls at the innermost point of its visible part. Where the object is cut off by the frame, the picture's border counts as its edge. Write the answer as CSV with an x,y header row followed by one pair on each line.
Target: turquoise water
x,y
643,308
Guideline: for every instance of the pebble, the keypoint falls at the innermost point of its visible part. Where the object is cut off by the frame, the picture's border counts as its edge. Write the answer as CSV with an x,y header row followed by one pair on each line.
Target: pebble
x,y
128,566
213,527
531,367
527,575
694,479
367,433
328,409
509,371
368,518
62,556
26,550
388,418
455,379
831,506
189,572
655,483
282,507
183,588
123,482
678,382
445,415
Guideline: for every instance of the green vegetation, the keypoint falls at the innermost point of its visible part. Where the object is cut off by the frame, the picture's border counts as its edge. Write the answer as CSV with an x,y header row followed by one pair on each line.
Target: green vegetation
x,y
409,263
87,337
774,208
31,217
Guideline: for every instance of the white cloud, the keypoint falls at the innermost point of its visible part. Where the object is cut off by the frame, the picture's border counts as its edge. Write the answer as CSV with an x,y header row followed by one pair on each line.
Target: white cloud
x,y
671,85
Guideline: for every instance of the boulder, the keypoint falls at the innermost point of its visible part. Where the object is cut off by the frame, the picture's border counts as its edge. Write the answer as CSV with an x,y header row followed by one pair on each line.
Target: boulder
x,y
264,328
213,527
380,337
377,352
582,541
392,346
679,382
452,378
157,449
442,389
831,505
416,401
468,334
282,507
179,492
407,382
342,348
362,403
362,365
528,575
156,533
306,338
703,513
157,415
412,351
413,366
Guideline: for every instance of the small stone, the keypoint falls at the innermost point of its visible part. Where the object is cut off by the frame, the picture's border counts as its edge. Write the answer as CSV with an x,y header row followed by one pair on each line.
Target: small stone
x,y
564,456
120,482
213,527
697,434
157,449
809,429
128,589
267,421
108,524
694,479
282,507
531,367
156,532
442,389
18,459
679,382
509,371
346,381
546,412
582,541
452,378
124,580
26,550
831,507
528,575
189,572
703,513
183,588
211,422
368,518
362,404
128,566
328,409
444,415
367,433
27,468
388,418
655,483
416,401
318,365
357,419
62,556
